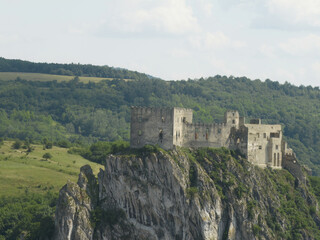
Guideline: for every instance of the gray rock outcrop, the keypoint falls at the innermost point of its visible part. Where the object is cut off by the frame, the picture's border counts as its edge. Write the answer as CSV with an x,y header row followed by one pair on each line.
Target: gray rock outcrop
x,y
170,196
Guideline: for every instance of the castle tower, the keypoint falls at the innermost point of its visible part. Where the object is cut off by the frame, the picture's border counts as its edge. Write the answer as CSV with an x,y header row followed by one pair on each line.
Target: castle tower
x,y
158,126
151,126
232,119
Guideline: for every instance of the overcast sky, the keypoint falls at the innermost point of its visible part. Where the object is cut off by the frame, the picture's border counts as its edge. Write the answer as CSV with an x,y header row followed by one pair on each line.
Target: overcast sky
x,y
170,39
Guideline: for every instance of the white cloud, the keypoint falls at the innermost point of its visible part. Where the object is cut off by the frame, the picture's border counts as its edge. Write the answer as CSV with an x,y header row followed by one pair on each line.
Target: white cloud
x,y
207,7
316,68
8,38
296,12
219,66
267,51
180,53
217,40
301,46
158,17
285,75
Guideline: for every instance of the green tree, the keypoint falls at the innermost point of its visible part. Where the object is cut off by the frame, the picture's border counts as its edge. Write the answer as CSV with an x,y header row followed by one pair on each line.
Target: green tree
x,y
47,156
17,144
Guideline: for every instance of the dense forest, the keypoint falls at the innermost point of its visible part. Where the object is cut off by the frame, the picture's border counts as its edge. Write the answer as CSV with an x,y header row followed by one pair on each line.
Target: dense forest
x,y
91,112
88,70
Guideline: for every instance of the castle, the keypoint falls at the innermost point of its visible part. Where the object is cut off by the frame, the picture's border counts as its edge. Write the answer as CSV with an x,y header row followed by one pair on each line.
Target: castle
x,y
262,144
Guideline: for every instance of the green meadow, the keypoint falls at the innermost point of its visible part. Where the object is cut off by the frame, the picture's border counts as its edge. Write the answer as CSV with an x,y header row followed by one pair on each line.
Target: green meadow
x,y
7,76
22,172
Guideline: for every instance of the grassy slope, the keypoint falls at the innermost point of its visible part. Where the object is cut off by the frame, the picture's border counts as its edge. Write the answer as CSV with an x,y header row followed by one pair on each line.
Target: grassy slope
x,y
20,173
46,77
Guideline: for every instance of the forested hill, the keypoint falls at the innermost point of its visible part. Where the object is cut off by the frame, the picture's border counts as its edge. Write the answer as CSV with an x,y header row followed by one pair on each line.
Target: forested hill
x,y
11,65
88,112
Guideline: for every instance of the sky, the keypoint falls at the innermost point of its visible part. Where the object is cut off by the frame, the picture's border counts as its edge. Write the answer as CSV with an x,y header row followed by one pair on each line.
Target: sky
x,y
171,39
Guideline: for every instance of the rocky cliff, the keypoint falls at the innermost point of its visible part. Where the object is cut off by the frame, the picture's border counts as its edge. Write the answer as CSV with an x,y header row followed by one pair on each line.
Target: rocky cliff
x,y
185,194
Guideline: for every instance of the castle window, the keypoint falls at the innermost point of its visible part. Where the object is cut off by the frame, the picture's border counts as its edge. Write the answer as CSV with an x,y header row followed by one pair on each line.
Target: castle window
x,y
233,121
275,158
219,130
161,135
140,132
265,135
278,156
258,135
233,114
184,119
277,147
195,135
260,147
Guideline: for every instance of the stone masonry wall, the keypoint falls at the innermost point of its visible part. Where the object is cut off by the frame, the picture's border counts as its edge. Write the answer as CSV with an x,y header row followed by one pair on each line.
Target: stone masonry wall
x,y
168,127
151,126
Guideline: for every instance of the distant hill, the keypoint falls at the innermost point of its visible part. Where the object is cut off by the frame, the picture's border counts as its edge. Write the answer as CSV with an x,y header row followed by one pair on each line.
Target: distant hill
x,y
85,70
44,77
93,111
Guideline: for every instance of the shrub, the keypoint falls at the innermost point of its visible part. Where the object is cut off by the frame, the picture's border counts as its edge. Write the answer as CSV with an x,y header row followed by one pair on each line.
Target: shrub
x,y
47,156
64,144
17,144
150,149
192,191
256,229
46,144
250,206
99,150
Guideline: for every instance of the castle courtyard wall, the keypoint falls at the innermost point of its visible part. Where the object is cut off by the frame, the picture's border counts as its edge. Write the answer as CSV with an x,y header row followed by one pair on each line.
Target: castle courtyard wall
x,y
206,135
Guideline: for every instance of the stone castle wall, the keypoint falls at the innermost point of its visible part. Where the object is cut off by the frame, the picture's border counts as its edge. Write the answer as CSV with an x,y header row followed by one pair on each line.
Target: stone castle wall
x,y
264,144
151,126
168,127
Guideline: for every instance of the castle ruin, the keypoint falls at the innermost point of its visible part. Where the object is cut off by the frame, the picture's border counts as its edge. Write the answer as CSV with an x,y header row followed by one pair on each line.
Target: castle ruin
x,y
262,144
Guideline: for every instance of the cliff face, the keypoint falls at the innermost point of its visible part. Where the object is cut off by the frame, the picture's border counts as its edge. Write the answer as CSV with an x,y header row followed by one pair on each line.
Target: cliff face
x,y
185,194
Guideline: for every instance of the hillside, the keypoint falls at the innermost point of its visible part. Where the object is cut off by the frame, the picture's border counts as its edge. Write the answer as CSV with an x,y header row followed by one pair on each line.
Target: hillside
x,y
42,77
88,70
88,112
22,172
29,187
186,194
